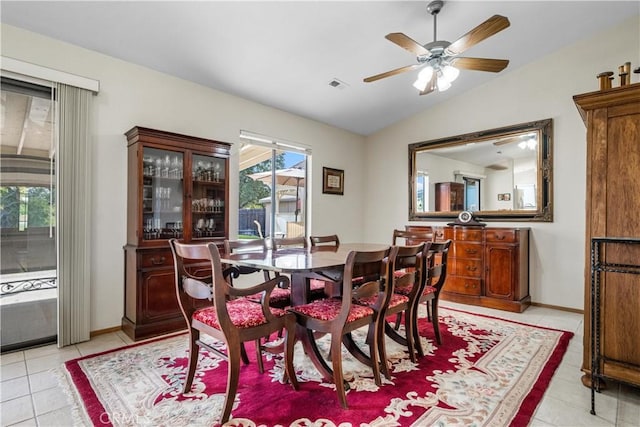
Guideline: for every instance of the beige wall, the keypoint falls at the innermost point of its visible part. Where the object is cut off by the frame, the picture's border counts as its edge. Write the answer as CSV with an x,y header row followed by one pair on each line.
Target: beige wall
x,y
131,95
537,91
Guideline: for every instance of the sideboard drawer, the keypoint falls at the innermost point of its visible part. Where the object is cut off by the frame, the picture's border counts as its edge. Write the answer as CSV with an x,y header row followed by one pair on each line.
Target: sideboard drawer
x,y
467,234
498,236
463,285
157,258
467,250
468,267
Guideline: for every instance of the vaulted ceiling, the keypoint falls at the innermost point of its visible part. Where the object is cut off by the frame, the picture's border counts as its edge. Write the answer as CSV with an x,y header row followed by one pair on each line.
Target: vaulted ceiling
x,y
285,54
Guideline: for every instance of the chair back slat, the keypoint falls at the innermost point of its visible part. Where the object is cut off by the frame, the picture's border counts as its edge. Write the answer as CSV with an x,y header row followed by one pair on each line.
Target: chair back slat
x,y
410,259
436,272
246,245
289,242
411,238
331,240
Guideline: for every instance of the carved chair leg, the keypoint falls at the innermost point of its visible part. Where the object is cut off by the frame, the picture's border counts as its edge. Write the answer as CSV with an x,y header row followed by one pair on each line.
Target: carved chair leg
x,y
382,348
374,355
194,350
409,324
434,320
232,380
336,362
259,356
289,343
416,333
398,320
243,354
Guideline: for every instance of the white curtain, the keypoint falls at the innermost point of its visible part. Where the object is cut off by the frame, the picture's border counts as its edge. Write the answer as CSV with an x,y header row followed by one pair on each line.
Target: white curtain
x,y
73,157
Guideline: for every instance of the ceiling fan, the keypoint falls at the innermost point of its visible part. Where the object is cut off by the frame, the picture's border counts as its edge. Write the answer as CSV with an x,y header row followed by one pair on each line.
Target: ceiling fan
x,y
439,59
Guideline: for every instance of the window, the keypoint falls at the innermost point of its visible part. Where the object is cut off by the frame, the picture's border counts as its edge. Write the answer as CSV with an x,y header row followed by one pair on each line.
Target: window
x,y
272,200
471,194
422,191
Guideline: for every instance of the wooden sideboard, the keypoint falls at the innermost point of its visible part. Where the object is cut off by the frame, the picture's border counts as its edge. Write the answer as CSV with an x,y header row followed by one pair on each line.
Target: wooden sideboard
x,y
488,266
612,118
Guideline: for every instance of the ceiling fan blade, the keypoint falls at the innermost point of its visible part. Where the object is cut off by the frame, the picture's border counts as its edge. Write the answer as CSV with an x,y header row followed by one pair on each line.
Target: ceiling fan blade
x,y
391,73
407,43
481,64
431,86
485,30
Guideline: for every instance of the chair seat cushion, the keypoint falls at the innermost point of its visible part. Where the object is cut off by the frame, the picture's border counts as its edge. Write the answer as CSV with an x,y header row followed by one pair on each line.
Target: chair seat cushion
x,y
242,312
279,297
399,273
316,285
405,290
429,290
396,299
329,308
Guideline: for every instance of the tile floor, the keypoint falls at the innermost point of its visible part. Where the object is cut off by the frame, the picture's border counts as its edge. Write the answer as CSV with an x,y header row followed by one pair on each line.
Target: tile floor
x,y
30,395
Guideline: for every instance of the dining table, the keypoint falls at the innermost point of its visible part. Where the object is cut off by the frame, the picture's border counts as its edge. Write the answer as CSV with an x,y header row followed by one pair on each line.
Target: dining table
x,y
324,263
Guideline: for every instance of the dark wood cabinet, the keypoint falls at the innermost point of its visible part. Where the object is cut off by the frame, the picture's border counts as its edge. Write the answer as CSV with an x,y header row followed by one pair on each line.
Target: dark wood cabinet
x,y
612,119
487,266
449,196
177,187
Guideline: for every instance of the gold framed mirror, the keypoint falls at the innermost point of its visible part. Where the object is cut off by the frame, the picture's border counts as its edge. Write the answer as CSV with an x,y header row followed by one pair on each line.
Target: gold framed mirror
x,y
498,174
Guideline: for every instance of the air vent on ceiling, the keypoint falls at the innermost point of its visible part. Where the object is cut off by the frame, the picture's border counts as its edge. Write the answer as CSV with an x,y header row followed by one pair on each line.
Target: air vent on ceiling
x,y
337,83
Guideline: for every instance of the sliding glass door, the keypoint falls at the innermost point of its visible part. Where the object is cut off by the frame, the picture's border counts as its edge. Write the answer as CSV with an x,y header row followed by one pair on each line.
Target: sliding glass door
x,y
27,216
272,192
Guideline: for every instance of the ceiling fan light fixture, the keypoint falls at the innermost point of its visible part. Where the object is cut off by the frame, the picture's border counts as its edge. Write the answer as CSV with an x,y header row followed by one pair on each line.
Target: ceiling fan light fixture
x,y
424,77
443,83
450,72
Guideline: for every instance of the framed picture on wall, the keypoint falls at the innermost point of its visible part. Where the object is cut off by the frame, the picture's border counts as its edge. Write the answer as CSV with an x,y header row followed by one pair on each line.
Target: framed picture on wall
x,y
332,181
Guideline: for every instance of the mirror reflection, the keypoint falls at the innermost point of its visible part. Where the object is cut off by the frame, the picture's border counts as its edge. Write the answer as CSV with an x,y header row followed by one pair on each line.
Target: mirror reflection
x,y
500,173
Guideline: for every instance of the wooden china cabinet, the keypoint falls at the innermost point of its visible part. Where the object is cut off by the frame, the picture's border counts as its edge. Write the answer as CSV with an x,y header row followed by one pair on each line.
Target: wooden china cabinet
x,y
449,196
177,187
612,119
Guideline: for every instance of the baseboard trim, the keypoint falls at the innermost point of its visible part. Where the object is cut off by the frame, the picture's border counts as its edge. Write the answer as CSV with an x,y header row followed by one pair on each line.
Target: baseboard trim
x,y
557,307
104,331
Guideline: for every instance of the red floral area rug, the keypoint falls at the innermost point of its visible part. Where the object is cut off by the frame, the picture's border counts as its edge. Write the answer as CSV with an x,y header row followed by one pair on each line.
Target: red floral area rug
x,y
487,372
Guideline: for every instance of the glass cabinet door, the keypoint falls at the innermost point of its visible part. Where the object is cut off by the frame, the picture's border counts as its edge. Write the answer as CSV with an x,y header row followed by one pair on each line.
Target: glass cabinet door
x,y
208,196
162,194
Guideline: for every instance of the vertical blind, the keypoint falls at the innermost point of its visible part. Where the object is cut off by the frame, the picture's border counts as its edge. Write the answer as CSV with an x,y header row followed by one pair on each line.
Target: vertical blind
x,y
74,213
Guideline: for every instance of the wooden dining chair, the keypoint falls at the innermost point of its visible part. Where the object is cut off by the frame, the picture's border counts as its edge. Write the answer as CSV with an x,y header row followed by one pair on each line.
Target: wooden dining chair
x,y
316,287
406,290
280,297
231,318
435,274
327,243
330,240
339,317
289,242
407,238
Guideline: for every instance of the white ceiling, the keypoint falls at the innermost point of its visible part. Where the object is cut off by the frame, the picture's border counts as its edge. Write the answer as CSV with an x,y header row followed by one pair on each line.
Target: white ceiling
x,y
284,54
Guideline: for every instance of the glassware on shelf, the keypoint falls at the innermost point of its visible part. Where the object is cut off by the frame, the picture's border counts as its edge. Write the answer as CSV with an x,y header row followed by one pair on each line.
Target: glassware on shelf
x,y
216,172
